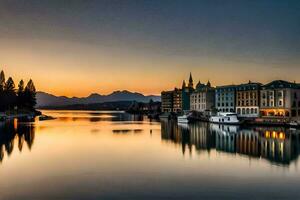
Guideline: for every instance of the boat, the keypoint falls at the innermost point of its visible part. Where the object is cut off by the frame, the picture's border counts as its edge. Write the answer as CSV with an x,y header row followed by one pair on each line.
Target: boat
x,y
293,124
225,118
182,119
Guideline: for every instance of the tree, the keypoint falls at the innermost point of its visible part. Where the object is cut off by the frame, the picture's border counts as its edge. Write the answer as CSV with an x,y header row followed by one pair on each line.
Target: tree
x,y
9,94
2,84
2,81
9,85
20,94
30,95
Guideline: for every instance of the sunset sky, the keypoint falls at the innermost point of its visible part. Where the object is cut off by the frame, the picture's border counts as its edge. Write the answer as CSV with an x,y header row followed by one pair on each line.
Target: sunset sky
x,y
75,47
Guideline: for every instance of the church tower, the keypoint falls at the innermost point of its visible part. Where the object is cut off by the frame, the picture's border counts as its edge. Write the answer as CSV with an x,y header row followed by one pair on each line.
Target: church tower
x,y
183,85
191,84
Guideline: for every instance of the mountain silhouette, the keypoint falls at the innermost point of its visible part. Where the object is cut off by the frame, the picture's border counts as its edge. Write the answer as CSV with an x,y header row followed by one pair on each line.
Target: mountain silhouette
x,y
45,99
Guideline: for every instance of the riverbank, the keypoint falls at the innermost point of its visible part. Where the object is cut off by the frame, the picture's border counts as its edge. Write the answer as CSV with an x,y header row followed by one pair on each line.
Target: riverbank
x,y
24,115
258,121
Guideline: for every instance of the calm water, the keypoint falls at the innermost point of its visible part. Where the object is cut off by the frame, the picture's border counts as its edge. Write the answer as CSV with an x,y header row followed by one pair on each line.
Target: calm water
x,y
111,155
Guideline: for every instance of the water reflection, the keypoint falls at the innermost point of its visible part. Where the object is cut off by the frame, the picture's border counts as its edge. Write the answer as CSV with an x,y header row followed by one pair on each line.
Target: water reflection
x,y
15,132
95,116
275,144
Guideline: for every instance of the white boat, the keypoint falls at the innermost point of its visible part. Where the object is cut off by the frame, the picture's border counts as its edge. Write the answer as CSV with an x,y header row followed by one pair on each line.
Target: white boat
x,y
182,119
293,124
225,118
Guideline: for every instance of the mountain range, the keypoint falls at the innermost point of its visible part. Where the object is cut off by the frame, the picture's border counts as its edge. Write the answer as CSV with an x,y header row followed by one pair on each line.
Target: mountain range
x,y
45,99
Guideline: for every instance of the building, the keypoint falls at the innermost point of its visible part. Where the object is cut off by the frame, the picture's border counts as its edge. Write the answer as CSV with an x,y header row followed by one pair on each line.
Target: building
x,y
167,101
187,90
280,99
203,98
247,99
177,100
225,98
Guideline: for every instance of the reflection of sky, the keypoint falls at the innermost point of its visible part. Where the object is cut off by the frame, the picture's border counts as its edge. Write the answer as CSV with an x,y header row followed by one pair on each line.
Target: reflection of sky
x,y
70,161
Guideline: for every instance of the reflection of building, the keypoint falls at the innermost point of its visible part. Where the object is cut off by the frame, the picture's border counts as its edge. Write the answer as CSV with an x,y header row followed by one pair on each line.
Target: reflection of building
x,y
280,99
247,99
247,142
170,131
201,137
277,145
225,137
225,98
203,98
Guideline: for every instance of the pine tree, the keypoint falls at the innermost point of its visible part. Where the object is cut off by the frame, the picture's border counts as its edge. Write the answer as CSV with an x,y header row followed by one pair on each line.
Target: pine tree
x,y
30,95
9,85
20,94
2,84
2,81
10,98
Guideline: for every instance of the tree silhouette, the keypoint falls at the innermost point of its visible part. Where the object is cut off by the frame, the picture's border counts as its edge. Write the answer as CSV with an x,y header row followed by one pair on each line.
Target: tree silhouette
x,y
22,98
2,81
30,95
2,84
10,97
20,93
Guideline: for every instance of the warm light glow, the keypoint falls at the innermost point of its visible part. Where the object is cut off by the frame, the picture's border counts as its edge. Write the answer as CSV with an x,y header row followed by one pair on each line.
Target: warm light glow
x,y
15,124
274,112
281,135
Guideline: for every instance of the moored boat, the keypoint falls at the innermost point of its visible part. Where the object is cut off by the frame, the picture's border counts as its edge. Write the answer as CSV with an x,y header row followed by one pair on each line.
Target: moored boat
x,y
293,124
225,118
183,119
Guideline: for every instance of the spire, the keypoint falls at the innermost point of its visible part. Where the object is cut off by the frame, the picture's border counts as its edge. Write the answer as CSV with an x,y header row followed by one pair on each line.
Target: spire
x,y
208,84
183,84
191,84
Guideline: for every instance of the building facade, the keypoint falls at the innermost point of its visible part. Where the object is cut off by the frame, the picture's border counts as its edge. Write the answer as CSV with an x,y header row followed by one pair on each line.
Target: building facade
x,y
177,100
247,99
203,98
187,90
225,98
167,101
280,99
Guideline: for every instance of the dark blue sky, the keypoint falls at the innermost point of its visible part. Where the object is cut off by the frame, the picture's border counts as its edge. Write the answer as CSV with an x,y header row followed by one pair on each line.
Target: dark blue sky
x,y
237,36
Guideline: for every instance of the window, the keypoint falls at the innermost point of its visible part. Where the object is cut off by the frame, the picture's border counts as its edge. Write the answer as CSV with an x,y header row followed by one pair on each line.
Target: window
x,y
238,111
293,113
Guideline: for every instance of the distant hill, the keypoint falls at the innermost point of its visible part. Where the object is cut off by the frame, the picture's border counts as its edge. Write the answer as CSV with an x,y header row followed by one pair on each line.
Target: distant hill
x,y
49,100
116,105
